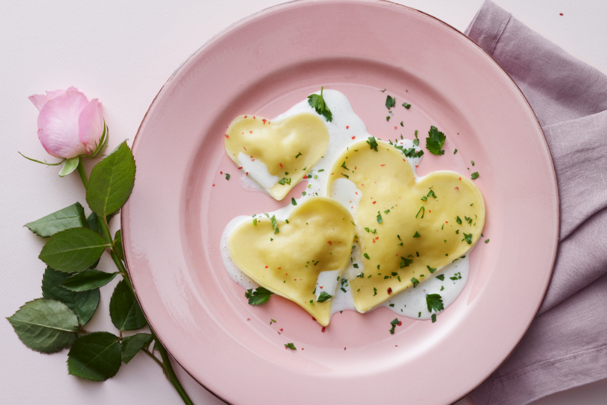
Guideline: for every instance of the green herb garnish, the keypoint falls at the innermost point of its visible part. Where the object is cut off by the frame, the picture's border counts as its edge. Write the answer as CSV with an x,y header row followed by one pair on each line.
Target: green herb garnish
x,y
317,102
435,141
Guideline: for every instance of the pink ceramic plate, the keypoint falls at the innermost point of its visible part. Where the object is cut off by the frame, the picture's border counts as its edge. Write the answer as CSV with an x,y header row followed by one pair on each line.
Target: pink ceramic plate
x,y
181,203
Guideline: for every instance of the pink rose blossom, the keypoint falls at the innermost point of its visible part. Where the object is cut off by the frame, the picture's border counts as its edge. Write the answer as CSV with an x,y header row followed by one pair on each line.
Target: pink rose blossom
x,y
68,124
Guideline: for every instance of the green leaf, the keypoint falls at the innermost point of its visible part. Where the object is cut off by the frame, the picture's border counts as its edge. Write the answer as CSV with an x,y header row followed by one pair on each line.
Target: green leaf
x,y
390,102
69,166
290,346
434,302
474,176
258,296
84,304
93,221
118,245
73,250
131,345
124,309
324,297
435,141
95,357
372,143
317,102
111,182
88,279
66,218
44,325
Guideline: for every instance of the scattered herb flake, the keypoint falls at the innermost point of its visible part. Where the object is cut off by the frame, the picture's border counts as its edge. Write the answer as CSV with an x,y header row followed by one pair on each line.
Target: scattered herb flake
x,y
474,176
293,200
317,102
372,143
367,256
407,105
258,296
414,281
290,346
431,269
394,323
323,297
390,102
380,220
467,238
434,302
441,277
227,176
435,141
275,225
417,235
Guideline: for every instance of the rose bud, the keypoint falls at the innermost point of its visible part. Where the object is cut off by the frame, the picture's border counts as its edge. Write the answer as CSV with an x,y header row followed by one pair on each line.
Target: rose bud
x,y
69,125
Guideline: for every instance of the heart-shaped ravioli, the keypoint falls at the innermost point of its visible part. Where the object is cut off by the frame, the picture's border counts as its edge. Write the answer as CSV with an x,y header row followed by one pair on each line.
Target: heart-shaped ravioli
x,y
408,228
290,257
277,155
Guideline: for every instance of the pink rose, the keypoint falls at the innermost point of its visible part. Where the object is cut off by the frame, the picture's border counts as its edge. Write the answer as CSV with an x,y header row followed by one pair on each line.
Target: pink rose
x,y
68,124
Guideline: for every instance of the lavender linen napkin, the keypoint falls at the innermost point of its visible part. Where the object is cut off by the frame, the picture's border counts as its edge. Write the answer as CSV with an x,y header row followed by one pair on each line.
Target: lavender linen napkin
x,y
566,345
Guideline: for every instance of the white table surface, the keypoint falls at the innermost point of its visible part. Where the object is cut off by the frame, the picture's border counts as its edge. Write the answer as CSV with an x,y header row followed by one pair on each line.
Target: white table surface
x,y
122,52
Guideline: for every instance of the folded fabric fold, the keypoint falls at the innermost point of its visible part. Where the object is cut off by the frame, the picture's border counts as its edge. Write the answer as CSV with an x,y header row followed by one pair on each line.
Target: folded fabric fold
x,y
566,345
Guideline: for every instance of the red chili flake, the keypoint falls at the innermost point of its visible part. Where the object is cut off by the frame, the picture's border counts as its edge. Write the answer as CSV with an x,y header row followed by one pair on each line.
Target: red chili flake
x,y
250,132
457,188
266,267
321,286
329,242
389,290
460,178
247,173
353,137
279,268
227,136
383,164
248,319
361,184
416,165
446,222
323,329
281,330
400,323
244,148
374,202
373,240
242,133
302,348
264,121
220,172
314,319
246,116
560,13
344,348
395,345
240,168
280,165
254,118
332,174
213,184
429,211
348,126
354,167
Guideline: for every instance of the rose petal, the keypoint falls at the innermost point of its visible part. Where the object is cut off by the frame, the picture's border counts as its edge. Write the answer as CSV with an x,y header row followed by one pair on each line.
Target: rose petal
x,y
90,124
58,125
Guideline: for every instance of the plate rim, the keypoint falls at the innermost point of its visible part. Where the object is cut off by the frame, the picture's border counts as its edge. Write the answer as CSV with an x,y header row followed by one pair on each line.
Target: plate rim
x,y
290,3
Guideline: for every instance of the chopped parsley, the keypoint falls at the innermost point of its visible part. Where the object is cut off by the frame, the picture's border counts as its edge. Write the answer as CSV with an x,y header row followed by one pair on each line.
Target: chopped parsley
x,y
416,140
298,155
431,269
367,256
458,220
285,180
275,225
435,141
474,176
434,302
317,102
344,165
380,220
407,105
404,262
390,102
293,200
394,323
374,291
433,317
258,296
323,297
417,235
422,210
456,276
467,238
227,176
431,194
372,143
254,221
414,281
472,161
290,346
455,151
441,277
486,240
355,265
